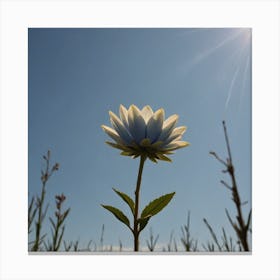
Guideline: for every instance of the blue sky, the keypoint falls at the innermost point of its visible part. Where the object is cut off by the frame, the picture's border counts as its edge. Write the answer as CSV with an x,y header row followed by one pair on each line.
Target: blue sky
x,y
75,76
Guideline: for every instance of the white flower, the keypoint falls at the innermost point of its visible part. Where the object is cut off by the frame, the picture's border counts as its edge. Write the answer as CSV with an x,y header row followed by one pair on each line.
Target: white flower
x,y
145,133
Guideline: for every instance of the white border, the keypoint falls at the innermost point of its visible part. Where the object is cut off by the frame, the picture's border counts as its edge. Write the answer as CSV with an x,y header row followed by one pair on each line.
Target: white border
x,y
17,16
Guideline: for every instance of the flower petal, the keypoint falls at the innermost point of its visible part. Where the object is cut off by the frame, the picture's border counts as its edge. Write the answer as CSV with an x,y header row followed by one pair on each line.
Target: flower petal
x,y
136,123
129,154
124,115
153,159
147,112
157,144
168,127
154,125
113,134
120,129
176,134
164,158
175,145
145,133
118,146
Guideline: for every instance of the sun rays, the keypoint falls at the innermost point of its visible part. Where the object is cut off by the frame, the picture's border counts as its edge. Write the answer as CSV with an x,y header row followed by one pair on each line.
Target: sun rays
x,y
231,86
205,54
235,69
239,76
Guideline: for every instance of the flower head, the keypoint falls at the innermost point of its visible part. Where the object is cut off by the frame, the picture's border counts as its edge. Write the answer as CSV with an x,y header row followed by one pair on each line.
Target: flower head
x,y
145,133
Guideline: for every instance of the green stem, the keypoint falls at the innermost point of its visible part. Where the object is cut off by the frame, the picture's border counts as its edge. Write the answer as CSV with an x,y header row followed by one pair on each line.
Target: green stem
x,y
45,178
56,235
137,196
39,222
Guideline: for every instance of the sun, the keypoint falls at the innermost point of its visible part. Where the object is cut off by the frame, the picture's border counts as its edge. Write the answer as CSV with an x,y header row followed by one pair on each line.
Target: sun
x,y
246,36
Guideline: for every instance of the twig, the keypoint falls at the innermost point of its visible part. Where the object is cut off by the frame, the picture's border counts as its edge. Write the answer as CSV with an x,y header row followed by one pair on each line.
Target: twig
x,y
58,227
186,239
240,227
213,234
151,243
40,200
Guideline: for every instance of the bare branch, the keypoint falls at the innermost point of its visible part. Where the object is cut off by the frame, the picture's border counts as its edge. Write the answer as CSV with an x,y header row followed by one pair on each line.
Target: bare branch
x,y
226,185
218,158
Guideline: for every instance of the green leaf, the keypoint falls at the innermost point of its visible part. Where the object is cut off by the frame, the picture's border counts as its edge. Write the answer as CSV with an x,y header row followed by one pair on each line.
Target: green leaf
x,y
118,214
143,222
52,222
60,238
65,214
127,199
156,205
